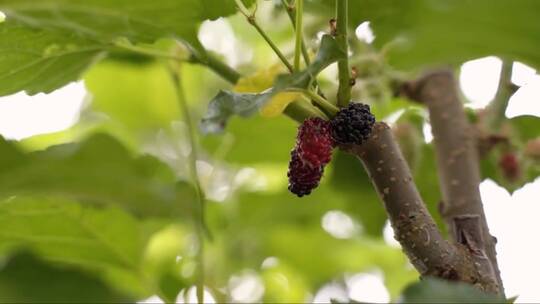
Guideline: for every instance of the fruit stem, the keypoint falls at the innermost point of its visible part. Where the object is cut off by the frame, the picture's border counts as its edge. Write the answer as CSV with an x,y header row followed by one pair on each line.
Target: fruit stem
x,y
301,110
319,100
344,89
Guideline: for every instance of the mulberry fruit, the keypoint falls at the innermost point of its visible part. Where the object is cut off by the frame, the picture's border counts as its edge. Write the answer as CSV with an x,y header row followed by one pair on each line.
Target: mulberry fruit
x,y
303,178
352,125
510,167
312,152
314,142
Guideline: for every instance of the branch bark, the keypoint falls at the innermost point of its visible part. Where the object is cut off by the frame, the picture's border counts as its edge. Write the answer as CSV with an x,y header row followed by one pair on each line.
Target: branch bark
x,y
414,227
459,174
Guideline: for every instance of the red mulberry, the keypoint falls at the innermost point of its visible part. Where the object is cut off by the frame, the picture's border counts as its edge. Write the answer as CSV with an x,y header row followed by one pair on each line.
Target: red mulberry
x,y
303,178
313,151
353,124
314,142
510,167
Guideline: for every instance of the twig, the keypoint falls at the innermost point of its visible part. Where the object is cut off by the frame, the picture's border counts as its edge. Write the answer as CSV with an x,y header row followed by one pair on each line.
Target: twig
x,y
505,90
413,226
251,20
299,34
269,41
459,173
200,223
344,89
217,66
291,12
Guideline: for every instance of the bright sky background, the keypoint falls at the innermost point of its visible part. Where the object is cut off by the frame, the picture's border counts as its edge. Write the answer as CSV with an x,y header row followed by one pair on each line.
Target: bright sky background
x,y
512,218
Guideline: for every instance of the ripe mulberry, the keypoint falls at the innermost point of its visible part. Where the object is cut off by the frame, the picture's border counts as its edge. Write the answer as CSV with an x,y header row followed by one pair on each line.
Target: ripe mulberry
x,y
303,178
314,142
352,125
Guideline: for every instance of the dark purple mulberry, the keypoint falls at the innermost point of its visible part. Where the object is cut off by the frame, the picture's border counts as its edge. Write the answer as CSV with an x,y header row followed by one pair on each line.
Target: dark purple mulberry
x,y
303,178
314,142
352,125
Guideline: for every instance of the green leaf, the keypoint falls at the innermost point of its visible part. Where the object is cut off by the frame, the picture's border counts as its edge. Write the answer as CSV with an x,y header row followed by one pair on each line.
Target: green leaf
x,y
335,257
237,144
432,290
36,61
106,20
124,252
519,131
98,171
284,284
138,96
417,33
49,43
525,127
26,279
107,242
226,104
452,32
281,225
161,259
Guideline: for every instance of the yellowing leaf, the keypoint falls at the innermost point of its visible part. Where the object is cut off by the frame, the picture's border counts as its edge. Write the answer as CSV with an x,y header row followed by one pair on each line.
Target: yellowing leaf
x,y
261,81
277,104
258,82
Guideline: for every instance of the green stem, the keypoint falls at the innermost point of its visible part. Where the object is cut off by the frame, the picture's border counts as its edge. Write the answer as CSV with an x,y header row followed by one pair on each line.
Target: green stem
x,y
242,8
299,34
291,12
209,60
217,66
251,19
505,90
301,110
200,221
319,100
276,50
344,89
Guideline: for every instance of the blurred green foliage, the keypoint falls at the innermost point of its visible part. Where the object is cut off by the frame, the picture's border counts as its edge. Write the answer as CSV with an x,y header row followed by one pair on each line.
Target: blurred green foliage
x,y
105,209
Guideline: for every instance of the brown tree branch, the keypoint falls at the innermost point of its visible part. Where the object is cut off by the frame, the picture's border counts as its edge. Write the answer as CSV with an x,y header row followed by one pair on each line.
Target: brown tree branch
x,y
459,173
414,227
